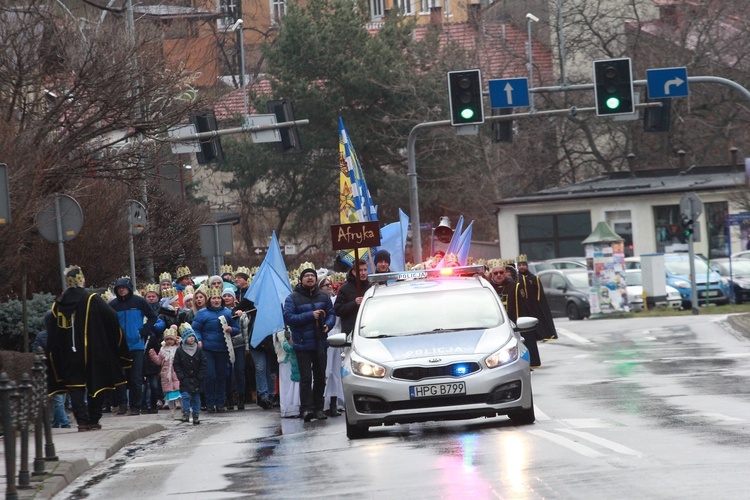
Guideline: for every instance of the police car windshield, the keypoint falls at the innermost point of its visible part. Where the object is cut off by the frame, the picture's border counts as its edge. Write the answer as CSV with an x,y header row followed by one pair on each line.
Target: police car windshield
x,y
427,312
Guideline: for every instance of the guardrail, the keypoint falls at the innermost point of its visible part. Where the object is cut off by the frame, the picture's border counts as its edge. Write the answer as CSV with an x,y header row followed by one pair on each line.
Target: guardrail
x,y
22,406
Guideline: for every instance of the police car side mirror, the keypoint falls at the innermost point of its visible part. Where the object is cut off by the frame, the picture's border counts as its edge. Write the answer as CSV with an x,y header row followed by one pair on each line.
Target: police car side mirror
x,y
523,323
338,340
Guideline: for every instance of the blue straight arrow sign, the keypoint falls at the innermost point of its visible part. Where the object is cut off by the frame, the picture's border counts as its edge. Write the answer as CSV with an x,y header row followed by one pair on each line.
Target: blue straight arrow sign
x,y
509,92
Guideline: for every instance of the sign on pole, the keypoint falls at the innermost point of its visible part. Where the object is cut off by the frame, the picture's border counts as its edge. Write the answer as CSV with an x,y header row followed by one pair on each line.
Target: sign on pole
x,y
355,235
184,147
664,83
691,206
209,245
509,92
137,217
272,135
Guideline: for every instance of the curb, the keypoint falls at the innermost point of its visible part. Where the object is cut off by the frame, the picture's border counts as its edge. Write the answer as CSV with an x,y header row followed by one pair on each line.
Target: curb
x,y
65,473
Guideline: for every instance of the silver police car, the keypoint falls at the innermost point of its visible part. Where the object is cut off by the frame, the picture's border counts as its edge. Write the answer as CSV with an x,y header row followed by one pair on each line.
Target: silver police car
x,y
433,345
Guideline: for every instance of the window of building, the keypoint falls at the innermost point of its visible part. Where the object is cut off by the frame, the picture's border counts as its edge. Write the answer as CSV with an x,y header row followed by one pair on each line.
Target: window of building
x,y
716,226
543,237
228,11
405,6
376,9
278,9
447,9
668,227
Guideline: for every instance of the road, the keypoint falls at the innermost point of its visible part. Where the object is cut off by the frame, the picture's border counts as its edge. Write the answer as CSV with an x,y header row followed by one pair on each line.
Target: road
x,y
629,408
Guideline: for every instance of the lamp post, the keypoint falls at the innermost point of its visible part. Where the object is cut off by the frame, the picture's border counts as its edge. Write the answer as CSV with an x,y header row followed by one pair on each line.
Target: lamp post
x,y
238,26
529,19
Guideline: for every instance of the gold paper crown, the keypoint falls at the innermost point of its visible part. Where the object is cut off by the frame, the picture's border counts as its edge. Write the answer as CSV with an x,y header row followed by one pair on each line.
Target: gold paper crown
x,y
107,295
188,289
74,277
522,258
165,277
152,287
183,271
242,270
202,289
168,293
509,263
214,291
226,269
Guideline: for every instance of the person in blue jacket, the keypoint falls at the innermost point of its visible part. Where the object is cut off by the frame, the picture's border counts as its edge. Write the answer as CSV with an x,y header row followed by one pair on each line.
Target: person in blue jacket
x,y
308,311
137,320
214,326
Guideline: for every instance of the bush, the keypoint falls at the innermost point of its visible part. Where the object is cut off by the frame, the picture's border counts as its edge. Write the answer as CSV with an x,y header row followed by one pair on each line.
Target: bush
x,y
11,320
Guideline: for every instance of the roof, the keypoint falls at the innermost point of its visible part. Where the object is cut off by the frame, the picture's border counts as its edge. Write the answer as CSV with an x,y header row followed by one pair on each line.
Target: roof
x,y
644,182
173,11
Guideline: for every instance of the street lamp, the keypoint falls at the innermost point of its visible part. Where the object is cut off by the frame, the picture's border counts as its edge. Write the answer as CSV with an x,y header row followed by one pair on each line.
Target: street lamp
x,y
238,26
529,19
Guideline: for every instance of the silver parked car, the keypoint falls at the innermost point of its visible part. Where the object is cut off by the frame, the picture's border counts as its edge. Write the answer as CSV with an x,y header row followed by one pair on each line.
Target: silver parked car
x,y
428,346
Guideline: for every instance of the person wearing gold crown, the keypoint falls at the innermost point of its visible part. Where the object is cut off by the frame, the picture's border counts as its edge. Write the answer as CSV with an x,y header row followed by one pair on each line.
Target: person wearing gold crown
x,y
536,299
85,352
184,280
214,326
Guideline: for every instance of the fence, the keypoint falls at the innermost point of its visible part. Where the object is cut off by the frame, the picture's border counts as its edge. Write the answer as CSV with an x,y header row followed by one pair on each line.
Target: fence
x,y
25,406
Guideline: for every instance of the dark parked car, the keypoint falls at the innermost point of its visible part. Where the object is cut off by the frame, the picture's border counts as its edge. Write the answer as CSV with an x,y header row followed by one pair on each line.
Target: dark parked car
x,y
740,276
567,292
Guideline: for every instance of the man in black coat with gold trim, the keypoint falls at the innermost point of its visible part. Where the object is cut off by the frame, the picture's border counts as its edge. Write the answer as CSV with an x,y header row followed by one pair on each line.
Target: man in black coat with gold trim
x,y
86,349
536,299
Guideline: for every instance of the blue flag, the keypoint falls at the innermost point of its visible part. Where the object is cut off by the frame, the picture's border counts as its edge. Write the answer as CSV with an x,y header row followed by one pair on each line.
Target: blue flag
x,y
464,245
268,291
393,239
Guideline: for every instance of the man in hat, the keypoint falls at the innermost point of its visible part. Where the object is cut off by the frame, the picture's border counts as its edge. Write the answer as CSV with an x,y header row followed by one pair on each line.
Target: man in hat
x,y
184,280
350,295
513,298
382,261
309,313
536,300
137,320
85,351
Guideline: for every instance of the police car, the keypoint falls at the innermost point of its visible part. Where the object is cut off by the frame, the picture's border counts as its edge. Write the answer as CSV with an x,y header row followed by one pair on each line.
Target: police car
x,y
433,345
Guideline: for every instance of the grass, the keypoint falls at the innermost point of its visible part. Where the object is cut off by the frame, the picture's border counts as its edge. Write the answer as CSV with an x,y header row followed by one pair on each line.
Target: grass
x,y
665,311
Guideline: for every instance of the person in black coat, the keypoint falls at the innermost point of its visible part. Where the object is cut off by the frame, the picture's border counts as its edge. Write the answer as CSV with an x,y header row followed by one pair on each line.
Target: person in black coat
x,y
190,366
350,295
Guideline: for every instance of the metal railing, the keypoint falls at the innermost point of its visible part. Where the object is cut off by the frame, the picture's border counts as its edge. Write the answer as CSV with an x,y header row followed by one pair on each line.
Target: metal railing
x,y
22,406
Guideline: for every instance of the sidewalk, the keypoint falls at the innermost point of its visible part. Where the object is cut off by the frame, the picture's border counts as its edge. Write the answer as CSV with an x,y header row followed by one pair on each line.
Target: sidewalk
x,y
79,452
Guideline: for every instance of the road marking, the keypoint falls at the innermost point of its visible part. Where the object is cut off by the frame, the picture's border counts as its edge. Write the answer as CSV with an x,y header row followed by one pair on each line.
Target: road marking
x,y
714,416
585,423
606,443
568,443
573,336
540,415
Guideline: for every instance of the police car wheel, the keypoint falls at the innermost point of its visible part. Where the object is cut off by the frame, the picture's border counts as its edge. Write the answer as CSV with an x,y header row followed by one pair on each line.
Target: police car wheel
x,y
354,431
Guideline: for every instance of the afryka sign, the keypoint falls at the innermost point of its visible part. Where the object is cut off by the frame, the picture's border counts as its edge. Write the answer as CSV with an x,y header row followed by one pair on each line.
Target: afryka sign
x,y
355,235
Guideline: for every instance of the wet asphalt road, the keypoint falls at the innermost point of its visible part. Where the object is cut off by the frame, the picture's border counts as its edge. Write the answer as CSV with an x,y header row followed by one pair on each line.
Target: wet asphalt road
x,y
649,408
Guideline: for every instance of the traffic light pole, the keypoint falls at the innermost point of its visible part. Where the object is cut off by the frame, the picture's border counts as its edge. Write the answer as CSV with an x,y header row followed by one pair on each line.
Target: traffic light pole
x,y
212,134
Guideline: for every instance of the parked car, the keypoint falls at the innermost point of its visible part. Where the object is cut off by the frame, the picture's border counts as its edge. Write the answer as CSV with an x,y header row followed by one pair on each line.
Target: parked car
x,y
738,276
567,292
745,254
709,284
561,263
632,262
634,280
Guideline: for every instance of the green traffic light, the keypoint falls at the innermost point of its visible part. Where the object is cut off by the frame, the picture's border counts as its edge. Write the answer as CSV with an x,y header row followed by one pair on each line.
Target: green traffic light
x,y
613,102
467,113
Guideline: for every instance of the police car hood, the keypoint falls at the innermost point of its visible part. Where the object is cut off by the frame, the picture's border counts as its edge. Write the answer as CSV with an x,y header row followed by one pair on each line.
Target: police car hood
x,y
428,345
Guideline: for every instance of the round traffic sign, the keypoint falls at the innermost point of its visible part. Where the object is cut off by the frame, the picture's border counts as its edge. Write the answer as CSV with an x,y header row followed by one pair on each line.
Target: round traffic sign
x,y
68,211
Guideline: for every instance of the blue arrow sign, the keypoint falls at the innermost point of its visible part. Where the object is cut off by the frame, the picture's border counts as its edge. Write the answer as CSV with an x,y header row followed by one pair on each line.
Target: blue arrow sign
x,y
509,92
737,219
667,82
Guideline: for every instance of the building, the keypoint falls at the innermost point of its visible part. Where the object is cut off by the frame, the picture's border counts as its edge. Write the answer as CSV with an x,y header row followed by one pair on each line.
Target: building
x,y
641,206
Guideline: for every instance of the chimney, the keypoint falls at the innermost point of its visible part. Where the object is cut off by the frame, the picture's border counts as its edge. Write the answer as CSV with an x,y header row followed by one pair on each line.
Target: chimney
x,y
436,15
681,153
631,164
474,15
733,156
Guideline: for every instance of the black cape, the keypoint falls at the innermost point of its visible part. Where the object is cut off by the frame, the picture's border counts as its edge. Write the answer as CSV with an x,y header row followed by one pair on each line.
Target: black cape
x,y
85,346
538,307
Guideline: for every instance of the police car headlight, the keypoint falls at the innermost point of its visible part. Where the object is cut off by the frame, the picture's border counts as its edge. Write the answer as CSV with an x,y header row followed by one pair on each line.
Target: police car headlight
x,y
361,366
508,354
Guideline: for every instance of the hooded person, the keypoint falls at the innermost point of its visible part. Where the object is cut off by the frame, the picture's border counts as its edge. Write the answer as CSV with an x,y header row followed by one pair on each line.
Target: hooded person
x,y
85,351
190,365
350,295
137,320
308,311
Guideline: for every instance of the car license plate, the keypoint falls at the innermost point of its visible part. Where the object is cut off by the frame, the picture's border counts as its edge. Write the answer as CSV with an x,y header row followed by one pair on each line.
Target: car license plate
x,y
713,293
429,391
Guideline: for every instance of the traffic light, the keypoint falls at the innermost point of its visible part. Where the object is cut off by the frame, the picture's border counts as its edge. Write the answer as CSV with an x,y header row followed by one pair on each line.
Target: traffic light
x,y
284,112
687,227
613,86
657,119
502,131
210,148
465,94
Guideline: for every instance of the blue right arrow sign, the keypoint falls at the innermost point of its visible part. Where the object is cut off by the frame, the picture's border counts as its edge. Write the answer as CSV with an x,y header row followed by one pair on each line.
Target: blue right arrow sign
x,y
664,83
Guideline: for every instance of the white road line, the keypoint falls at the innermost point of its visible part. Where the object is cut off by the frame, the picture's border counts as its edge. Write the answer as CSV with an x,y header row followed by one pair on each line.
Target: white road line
x,y
606,443
573,336
567,443
540,415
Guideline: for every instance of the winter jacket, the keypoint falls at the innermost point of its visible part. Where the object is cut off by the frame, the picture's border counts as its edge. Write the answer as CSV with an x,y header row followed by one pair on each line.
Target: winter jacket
x,y
208,329
167,375
190,370
298,315
132,310
346,306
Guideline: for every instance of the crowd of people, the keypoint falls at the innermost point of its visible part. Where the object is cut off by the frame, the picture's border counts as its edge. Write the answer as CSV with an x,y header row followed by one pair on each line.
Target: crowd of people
x,y
173,345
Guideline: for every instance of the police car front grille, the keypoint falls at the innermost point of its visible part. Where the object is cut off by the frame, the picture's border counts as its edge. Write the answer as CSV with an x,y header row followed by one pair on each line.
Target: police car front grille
x,y
421,372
